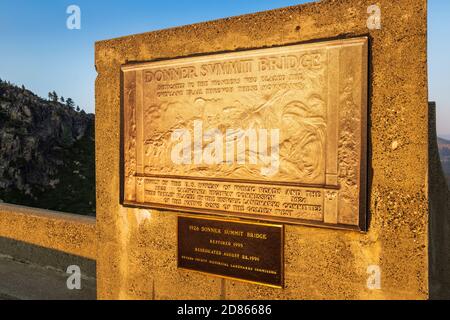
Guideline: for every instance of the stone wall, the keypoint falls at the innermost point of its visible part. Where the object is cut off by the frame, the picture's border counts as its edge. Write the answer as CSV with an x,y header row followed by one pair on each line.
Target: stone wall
x,y
137,248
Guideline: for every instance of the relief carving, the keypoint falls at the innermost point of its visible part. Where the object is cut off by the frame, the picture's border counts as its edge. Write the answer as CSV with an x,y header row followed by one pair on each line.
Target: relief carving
x,y
272,134
302,136
130,134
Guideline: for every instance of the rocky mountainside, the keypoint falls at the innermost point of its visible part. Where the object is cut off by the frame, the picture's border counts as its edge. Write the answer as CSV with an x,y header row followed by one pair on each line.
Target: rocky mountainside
x,y
444,151
47,155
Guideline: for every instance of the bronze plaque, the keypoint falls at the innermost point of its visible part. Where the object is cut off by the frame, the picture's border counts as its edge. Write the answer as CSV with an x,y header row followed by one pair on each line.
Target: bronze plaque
x,y
276,134
251,252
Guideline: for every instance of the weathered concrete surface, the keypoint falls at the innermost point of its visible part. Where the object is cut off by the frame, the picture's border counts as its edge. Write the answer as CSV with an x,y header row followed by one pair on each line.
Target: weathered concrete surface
x,y
31,254
137,248
69,233
26,281
439,219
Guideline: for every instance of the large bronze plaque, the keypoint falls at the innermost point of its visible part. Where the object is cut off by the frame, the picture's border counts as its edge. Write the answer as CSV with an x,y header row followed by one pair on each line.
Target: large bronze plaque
x,y
250,252
275,134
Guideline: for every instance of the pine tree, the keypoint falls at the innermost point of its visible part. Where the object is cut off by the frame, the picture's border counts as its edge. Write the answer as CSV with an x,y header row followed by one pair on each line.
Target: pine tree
x,y
53,96
78,108
70,103
62,100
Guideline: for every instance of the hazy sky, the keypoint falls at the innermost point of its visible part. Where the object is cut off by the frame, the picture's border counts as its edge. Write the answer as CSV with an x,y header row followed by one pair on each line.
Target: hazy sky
x,y
37,50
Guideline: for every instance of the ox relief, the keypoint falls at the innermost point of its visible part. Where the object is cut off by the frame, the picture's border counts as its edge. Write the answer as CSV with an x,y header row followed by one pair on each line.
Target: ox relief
x,y
275,134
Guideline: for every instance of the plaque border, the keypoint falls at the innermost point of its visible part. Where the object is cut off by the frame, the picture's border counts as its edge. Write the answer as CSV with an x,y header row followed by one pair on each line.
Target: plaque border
x,y
363,214
232,220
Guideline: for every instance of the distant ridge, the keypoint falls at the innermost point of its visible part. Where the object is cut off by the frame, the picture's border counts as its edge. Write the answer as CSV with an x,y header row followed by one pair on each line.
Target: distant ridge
x,y
47,155
445,137
443,141
444,152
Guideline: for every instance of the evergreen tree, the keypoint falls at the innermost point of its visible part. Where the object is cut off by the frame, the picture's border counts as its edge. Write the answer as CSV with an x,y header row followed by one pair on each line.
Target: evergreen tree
x,y
70,103
62,100
53,96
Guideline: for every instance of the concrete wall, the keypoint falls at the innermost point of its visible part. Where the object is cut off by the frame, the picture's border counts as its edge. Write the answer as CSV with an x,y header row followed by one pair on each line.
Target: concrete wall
x,y
70,233
439,230
137,248
37,246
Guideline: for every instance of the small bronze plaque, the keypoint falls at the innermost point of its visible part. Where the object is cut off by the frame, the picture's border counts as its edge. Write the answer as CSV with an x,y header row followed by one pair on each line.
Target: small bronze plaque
x,y
274,134
251,252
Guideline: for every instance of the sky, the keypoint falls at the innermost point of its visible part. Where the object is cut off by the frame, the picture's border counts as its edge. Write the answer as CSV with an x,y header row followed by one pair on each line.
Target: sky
x,y
39,51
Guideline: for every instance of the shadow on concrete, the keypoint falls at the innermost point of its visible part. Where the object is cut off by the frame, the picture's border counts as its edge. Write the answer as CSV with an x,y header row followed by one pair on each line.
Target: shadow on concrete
x,y
29,272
